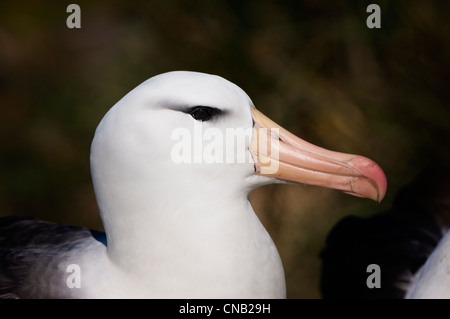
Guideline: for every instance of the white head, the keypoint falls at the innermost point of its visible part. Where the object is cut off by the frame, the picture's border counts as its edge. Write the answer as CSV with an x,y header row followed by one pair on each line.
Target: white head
x,y
141,139
135,172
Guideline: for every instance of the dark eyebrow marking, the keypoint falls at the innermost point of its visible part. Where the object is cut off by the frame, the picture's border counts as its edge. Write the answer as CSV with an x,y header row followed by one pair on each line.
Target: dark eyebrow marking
x,y
207,112
213,110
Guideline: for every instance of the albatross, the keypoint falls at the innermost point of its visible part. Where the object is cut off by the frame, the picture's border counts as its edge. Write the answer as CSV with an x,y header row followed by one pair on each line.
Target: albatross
x,y
176,228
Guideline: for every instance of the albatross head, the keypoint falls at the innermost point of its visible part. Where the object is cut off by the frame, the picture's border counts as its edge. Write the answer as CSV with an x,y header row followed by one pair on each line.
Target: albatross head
x,y
178,155
192,131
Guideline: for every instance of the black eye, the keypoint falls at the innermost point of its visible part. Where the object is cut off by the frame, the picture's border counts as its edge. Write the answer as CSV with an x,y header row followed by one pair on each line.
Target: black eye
x,y
203,113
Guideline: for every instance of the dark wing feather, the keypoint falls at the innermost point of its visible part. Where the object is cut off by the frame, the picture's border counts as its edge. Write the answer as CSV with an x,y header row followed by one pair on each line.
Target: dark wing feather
x,y
25,242
399,241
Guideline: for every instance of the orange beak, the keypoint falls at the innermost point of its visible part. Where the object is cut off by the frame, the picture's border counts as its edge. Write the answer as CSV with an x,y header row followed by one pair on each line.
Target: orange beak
x,y
282,155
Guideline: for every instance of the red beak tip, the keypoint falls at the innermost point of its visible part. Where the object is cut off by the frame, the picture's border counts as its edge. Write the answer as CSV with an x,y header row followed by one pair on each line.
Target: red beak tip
x,y
374,173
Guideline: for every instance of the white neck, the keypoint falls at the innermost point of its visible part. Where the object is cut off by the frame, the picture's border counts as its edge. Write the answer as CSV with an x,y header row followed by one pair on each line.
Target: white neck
x,y
147,224
195,246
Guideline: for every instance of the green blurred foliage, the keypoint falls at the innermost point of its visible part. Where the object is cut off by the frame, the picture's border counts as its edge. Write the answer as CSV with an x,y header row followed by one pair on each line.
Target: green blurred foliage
x,y
312,66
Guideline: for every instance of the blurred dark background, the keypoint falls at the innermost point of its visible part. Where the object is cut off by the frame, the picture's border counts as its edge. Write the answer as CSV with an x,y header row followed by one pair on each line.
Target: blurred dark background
x,y
312,66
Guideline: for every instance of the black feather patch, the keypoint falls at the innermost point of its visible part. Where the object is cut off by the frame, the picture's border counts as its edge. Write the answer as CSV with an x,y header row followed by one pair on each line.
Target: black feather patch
x,y
399,241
